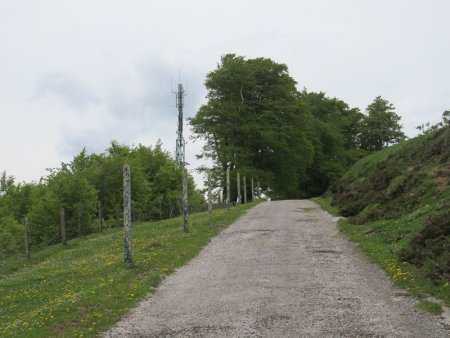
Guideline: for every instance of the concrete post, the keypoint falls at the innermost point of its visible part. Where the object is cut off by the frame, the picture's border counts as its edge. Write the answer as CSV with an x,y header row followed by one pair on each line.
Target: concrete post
x,y
228,189
245,190
185,200
238,201
209,194
253,192
127,214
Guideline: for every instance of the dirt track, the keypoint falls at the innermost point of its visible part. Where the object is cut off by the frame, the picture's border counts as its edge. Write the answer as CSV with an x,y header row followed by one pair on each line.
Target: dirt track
x,y
282,270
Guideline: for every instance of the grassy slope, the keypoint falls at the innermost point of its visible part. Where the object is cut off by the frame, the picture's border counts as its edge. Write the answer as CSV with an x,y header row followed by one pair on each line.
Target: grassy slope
x,y
82,289
389,197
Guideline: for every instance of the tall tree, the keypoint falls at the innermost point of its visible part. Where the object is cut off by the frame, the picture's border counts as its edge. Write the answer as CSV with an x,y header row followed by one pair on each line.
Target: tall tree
x,y
6,181
380,127
253,122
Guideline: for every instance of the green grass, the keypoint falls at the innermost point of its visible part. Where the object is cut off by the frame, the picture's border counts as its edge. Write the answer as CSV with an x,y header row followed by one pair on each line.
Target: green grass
x,y
382,241
82,289
428,306
325,203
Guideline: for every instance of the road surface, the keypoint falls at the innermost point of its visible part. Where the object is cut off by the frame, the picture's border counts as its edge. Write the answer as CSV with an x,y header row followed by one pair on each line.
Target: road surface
x,y
281,270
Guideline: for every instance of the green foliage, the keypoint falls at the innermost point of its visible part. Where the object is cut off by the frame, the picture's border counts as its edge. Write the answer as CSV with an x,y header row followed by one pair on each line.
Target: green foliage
x,y
430,247
84,288
250,123
11,236
397,200
431,307
80,185
6,182
380,127
257,123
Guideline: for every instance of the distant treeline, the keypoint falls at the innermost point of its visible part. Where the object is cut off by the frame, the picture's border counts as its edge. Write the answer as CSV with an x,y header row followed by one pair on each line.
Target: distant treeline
x,y
90,188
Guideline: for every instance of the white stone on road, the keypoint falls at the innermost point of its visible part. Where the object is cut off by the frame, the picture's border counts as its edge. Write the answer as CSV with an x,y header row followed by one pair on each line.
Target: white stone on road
x,y
282,270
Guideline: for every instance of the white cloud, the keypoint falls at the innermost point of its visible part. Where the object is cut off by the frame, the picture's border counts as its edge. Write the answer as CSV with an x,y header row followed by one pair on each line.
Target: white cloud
x,y
82,73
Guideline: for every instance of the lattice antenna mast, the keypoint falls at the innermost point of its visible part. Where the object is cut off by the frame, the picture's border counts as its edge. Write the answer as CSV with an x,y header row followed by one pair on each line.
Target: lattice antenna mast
x,y
180,147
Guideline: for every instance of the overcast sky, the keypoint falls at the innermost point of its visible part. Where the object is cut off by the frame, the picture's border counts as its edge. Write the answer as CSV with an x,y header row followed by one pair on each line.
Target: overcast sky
x,y
81,73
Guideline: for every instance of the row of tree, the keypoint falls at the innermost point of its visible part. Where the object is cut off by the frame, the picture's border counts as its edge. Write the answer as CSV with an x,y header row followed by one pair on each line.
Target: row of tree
x,y
294,142
89,188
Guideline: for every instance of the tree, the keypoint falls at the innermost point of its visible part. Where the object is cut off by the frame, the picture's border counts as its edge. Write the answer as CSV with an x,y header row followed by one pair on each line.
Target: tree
x,y
6,182
254,123
380,127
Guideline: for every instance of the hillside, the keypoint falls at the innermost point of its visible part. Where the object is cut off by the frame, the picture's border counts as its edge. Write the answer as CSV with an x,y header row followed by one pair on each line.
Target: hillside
x,y
397,204
83,288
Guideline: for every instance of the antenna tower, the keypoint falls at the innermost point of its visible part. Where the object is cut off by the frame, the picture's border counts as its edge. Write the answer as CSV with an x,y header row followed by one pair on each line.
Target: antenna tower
x,y
180,147
180,154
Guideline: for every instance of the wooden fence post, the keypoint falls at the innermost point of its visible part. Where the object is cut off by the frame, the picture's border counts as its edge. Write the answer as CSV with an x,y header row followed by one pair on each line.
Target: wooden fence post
x,y
127,215
209,194
27,243
63,226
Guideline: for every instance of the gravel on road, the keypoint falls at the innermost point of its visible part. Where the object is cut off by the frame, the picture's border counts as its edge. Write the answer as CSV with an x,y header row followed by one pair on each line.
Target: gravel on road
x,y
282,270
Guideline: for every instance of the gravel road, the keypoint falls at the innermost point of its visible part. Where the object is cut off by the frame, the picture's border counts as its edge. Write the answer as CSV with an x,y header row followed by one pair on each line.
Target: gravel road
x,y
281,270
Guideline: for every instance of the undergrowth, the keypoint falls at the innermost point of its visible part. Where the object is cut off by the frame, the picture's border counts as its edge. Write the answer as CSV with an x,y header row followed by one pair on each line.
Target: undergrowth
x,y
397,204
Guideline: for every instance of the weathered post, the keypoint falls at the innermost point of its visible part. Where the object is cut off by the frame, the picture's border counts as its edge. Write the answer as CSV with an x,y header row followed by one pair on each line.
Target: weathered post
x,y
185,200
80,219
238,201
63,226
258,189
127,214
253,192
209,194
27,243
228,189
100,215
245,190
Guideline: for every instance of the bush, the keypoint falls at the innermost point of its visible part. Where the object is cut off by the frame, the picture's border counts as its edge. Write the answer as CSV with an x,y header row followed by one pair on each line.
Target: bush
x,y
430,247
11,236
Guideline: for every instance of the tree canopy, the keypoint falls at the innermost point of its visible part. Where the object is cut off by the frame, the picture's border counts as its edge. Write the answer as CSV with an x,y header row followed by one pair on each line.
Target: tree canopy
x,y
256,122
84,182
381,127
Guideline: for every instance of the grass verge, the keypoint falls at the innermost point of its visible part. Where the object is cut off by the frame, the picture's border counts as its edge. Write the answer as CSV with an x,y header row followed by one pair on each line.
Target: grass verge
x,y
84,288
428,306
383,240
325,203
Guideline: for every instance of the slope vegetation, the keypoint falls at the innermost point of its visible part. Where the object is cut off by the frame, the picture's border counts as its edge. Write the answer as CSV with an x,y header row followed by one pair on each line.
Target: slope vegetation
x,y
397,204
81,289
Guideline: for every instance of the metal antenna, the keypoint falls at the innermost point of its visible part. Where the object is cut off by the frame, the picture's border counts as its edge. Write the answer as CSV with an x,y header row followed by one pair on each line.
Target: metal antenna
x,y
180,143
180,153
